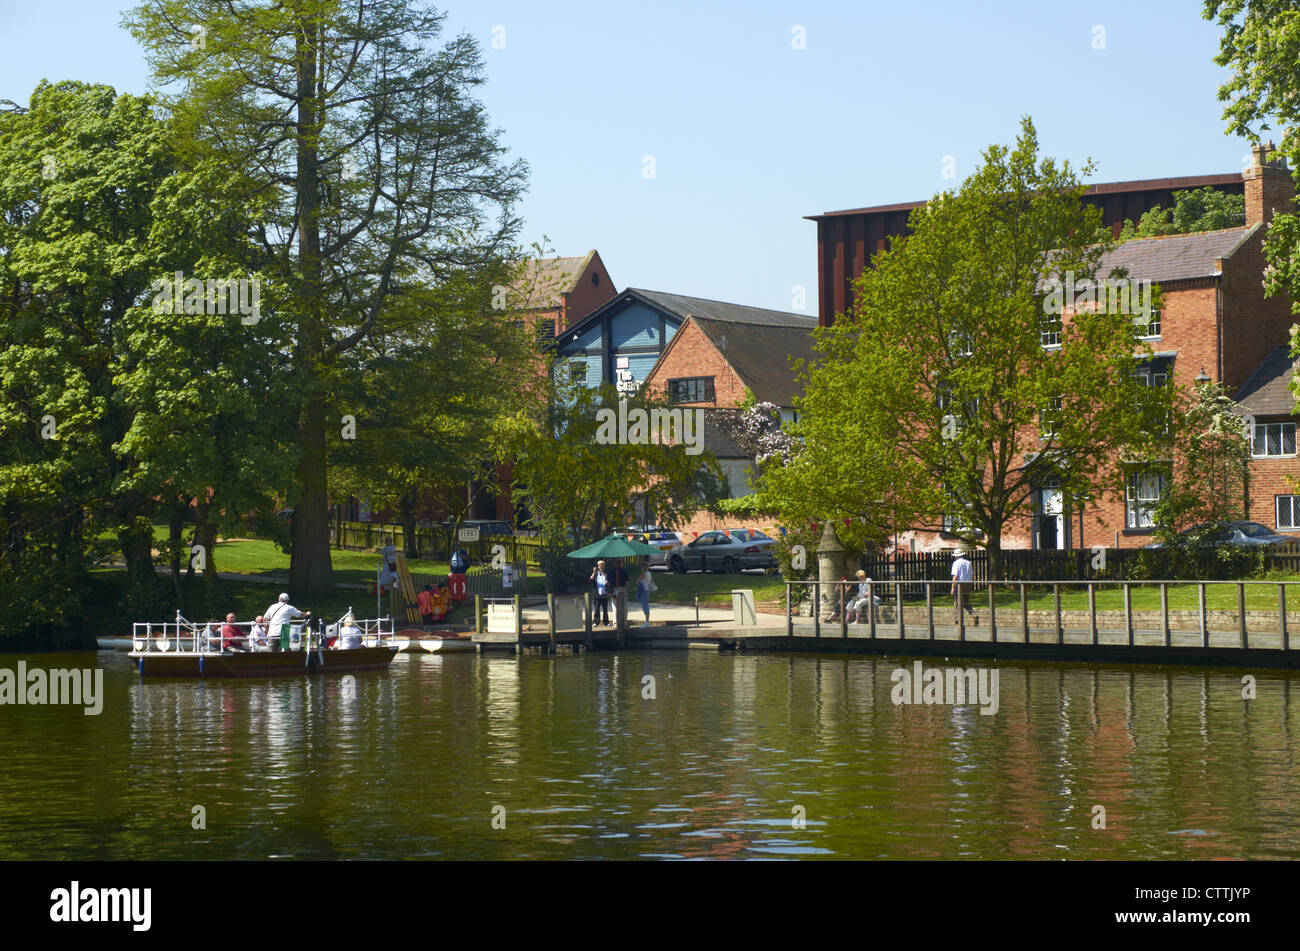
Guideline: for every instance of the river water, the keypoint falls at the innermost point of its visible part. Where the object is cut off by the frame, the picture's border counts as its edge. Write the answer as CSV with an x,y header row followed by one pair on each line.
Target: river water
x,y
735,756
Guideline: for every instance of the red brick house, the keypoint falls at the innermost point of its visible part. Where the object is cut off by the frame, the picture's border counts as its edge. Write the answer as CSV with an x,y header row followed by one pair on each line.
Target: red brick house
x,y
709,363
1215,323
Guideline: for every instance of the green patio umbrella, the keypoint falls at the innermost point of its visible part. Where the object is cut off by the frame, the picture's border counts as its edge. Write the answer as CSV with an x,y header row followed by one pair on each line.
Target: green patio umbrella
x,y
614,546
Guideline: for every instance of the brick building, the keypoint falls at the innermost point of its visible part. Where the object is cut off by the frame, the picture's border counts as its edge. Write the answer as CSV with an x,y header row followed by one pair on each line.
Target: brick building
x,y
701,353
709,364
1216,323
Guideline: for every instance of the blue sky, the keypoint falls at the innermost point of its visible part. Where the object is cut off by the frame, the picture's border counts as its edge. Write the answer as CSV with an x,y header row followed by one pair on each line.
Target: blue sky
x,y
749,133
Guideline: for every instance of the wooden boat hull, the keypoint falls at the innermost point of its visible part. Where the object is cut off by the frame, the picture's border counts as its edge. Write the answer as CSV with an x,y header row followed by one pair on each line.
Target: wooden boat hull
x,y
260,664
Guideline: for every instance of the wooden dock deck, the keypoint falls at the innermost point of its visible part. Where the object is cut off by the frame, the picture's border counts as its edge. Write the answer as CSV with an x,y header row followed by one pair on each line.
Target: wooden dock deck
x,y
1203,637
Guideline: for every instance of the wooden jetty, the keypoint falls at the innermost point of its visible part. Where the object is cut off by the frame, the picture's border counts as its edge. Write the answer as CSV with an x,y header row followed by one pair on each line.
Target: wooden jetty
x,y
1239,638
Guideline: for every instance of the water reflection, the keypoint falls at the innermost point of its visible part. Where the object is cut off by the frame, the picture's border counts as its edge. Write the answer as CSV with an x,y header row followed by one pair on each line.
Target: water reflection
x,y
753,756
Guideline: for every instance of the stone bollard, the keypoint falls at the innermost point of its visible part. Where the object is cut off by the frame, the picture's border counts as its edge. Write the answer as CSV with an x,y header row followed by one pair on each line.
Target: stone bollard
x,y
830,565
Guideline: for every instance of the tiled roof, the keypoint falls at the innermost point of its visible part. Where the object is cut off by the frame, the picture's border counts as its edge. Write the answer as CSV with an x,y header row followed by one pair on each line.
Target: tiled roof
x,y
761,354
543,280
1174,257
685,307
1268,391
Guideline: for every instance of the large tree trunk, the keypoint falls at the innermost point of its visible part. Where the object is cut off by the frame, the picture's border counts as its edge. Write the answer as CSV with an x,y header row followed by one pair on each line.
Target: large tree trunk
x,y
311,574
136,542
407,508
205,535
994,547
175,538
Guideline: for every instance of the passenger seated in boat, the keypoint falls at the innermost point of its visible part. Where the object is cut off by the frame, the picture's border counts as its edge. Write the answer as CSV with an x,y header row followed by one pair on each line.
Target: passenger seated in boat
x,y
212,636
257,638
232,638
349,633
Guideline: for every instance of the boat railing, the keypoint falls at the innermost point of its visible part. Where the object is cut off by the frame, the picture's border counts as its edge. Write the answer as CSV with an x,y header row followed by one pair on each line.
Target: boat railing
x,y
185,636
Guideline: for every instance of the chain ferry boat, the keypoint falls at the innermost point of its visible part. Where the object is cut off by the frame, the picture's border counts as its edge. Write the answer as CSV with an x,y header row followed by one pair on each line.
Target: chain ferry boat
x,y
182,648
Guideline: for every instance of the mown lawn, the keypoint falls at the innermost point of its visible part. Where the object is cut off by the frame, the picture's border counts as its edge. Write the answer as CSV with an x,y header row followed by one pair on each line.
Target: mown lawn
x,y
253,556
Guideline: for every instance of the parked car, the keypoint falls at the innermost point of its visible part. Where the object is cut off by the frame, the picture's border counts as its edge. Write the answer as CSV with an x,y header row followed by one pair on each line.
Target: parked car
x,y
663,539
720,551
1235,534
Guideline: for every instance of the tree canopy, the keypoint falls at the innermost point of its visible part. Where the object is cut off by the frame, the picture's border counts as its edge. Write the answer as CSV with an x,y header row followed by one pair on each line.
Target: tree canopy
x,y
949,393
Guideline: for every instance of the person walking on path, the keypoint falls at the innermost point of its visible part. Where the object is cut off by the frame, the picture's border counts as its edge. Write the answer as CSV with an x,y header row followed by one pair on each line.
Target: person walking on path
x,y
961,574
644,585
600,584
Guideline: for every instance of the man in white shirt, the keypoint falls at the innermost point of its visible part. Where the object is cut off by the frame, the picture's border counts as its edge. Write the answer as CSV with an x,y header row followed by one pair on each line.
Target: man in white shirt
x,y
961,572
279,613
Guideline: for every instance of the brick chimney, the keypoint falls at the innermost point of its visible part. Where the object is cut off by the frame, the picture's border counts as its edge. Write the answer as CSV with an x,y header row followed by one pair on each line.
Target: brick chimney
x,y
1269,187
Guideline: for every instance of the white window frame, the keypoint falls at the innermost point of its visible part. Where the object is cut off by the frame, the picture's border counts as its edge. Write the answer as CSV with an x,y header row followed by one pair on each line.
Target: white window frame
x,y
1259,438
1050,415
1139,508
1291,504
1151,329
1049,331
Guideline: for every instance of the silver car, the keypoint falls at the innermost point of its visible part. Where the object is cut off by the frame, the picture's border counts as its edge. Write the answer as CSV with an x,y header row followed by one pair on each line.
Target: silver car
x,y
725,552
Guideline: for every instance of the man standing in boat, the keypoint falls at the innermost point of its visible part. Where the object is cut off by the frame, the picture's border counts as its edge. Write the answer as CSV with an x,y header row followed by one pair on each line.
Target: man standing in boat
x,y
280,613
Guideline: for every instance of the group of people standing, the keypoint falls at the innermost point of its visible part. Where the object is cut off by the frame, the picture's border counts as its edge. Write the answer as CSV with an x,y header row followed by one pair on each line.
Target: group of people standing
x,y
611,582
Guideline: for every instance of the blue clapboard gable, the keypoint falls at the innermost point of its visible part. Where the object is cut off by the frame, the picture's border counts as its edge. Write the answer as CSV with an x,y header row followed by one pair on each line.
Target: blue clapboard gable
x,y
589,339
637,325
633,330
640,365
593,361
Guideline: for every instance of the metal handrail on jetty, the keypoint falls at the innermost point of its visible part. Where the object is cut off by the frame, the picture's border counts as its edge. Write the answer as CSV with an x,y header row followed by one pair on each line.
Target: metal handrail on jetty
x,y
1015,619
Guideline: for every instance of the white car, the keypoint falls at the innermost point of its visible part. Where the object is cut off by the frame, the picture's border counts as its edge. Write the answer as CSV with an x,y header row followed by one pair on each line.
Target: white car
x,y
660,538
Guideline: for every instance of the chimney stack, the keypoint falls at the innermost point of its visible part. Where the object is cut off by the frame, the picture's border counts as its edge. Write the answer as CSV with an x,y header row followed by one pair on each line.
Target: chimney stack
x,y
1269,187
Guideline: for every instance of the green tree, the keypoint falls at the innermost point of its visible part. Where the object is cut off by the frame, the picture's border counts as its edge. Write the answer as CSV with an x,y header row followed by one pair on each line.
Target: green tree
x,y
1260,46
1211,455
378,174
950,393
578,485
1195,209
431,406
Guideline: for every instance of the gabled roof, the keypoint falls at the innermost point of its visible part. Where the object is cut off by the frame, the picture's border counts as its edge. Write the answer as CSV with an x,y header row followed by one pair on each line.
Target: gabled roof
x,y
544,279
682,307
1268,391
1175,257
761,353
